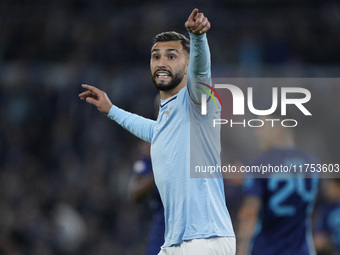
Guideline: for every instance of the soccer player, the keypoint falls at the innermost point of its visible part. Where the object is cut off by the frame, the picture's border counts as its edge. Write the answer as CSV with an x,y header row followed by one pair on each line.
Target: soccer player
x,y
327,232
196,217
275,215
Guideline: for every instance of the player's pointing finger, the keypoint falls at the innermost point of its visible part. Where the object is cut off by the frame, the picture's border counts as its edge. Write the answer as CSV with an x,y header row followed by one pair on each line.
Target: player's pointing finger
x,y
193,15
89,87
199,18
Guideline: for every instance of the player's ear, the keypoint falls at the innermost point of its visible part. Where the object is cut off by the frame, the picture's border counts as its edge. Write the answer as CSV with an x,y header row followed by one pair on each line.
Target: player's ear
x,y
187,64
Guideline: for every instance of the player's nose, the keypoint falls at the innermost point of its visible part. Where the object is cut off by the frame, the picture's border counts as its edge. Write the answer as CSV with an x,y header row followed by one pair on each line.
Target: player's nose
x,y
162,62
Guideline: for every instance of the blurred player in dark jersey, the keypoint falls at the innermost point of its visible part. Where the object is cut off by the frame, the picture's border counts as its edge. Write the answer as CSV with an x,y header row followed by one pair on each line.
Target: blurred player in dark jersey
x,y
275,215
327,232
142,188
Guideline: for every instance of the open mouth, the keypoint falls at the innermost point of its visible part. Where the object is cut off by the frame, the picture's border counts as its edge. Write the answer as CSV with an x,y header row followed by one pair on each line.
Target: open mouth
x,y
163,75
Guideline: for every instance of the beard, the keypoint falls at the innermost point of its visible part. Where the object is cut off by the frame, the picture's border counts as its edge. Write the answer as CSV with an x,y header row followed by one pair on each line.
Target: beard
x,y
174,82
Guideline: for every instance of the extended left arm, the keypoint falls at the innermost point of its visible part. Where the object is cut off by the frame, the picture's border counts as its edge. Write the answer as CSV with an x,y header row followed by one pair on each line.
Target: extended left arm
x,y
199,66
200,63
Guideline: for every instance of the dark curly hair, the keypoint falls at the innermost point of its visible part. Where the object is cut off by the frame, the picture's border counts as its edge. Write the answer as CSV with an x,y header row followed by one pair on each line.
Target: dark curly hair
x,y
173,36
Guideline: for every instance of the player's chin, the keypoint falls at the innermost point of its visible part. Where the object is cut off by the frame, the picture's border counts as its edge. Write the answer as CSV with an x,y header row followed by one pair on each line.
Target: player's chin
x,y
160,82
163,86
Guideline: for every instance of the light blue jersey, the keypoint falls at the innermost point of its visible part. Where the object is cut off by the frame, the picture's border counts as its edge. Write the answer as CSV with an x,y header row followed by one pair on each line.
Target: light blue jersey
x,y
193,207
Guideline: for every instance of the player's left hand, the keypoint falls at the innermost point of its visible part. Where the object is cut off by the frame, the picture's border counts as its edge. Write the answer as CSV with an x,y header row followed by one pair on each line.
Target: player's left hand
x,y
97,98
197,23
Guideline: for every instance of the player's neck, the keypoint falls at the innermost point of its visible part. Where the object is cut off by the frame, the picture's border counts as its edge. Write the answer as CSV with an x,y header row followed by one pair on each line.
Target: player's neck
x,y
167,94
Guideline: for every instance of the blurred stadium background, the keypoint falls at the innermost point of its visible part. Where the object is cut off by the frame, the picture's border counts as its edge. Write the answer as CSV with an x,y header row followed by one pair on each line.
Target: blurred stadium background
x,y
64,168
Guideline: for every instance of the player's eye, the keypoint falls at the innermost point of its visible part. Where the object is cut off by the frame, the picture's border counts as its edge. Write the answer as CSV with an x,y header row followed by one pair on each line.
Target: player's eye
x,y
156,57
172,57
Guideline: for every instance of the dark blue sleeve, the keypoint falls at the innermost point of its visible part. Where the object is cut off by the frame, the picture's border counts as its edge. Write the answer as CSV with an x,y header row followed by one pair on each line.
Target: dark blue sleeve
x,y
254,186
